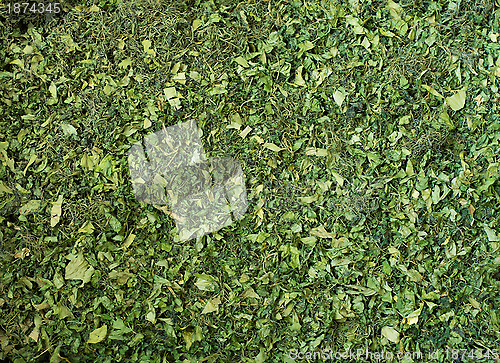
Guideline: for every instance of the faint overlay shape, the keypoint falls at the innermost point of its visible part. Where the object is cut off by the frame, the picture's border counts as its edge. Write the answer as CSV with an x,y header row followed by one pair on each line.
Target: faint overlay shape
x,y
204,195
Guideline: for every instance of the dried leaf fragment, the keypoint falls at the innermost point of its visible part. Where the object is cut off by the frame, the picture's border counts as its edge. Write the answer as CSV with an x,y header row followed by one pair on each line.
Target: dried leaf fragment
x,y
390,333
98,335
78,269
322,233
212,306
55,212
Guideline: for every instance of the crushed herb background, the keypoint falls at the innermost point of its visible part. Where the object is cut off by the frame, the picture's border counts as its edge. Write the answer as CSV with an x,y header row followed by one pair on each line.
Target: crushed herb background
x,y
369,136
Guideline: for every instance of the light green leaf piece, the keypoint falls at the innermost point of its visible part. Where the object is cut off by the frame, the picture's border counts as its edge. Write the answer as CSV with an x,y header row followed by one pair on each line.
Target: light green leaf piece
x,y
205,282
125,63
196,24
351,20
30,207
170,92
42,166
308,200
250,292
188,337
426,196
236,118
180,78
245,132
53,90
430,40
295,262
395,9
305,46
446,316
445,118
56,210
31,161
78,269
316,151
28,49
98,335
68,129
58,280
390,333
115,223
274,39
175,103
322,76
69,43
124,81
212,306
321,232
403,82
87,228
18,62
386,33
242,61
432,90
147,45
492,235
129,240
484,187
309,241
412,318
299,81
414,275
457,101
215,17
435,194
366,43
108,90
86,162
195,76
338,97
321,152
261,357
120,329
405,120
217,90
105,166
338,178
63,311
272,147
